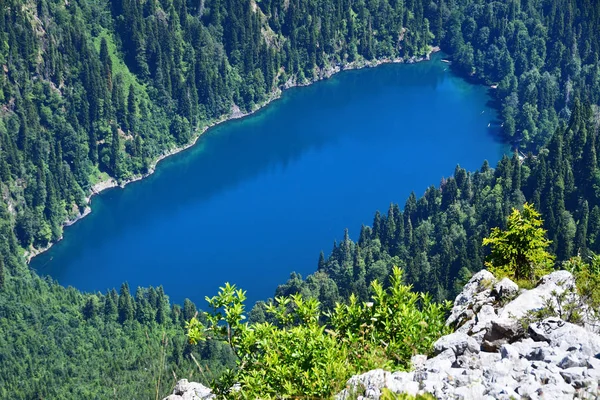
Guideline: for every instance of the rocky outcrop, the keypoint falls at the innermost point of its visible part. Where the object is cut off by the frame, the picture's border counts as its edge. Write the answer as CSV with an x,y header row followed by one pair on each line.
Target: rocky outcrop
x,y
494,354
185,390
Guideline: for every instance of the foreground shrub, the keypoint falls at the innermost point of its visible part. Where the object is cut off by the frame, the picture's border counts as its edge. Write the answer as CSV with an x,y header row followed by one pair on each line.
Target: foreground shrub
x,y
307,353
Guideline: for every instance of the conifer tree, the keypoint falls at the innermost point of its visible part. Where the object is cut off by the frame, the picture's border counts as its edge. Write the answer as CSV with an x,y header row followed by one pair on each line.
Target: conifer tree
x,y
520,250
126,306
2,277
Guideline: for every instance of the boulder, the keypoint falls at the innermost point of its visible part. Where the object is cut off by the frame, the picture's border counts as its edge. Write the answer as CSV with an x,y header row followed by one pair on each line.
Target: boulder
x,y
471,392
370,384
564,335
482,323
418,361
458,342
572,361
537,298
510,352
501,331
185,390
441,363
476,292
505,289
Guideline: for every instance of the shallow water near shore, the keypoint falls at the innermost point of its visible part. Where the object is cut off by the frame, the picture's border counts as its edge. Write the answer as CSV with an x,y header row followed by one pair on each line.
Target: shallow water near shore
x,y
259,197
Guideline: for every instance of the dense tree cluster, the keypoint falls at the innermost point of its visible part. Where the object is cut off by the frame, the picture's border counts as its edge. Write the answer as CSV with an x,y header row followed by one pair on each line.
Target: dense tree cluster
x,y
91,90
538,53
56,342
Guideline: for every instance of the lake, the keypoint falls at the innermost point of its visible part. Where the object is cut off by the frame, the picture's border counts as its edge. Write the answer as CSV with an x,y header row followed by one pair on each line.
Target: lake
x,y
260,197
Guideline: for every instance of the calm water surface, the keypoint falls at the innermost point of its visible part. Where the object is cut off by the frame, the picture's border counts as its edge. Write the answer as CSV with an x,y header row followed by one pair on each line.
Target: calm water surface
x,y
258,198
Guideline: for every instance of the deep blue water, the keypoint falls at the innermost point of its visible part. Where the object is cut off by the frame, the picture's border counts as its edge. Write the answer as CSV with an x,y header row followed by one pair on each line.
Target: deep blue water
x,y
258,198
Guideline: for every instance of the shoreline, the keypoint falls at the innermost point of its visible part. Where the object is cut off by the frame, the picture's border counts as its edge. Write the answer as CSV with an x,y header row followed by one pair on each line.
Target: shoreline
x,y
235,113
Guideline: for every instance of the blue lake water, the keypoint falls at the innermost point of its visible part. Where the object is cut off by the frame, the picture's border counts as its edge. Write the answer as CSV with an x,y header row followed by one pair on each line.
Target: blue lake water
x,y
258,198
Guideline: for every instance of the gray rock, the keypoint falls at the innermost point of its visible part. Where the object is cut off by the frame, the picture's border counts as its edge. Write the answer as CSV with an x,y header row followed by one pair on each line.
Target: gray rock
x,y
545,377
418,361
566,335
471,392
593,363
502,330
185,390
574,376
433,385
532,350
501,392
529,388
481,323
498,370
458,342
369,383
557,391
469,361
488,359
476,291
505,289
572,360
509,351
593,374
441,363
536,298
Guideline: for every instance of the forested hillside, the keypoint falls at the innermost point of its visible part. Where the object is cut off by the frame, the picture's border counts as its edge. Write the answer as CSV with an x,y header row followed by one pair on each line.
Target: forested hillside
x,y
97,89
548,80
437,238
92,89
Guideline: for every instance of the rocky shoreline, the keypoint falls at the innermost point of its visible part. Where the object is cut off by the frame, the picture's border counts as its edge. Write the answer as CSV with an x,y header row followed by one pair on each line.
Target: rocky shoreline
x,y
235,113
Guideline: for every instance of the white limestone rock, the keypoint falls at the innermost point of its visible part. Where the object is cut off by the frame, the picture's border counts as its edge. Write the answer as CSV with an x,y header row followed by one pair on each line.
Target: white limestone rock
x,y
185,390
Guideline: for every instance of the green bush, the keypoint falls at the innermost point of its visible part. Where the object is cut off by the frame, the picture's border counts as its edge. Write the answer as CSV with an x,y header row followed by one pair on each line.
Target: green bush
x,y
399,321
311,354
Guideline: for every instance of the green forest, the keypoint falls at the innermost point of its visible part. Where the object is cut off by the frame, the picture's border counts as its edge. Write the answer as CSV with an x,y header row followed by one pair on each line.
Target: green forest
x,y
97,89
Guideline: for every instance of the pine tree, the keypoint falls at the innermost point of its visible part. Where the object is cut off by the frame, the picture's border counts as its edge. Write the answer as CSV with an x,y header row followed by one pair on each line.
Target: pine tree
x,y
2,278
110,307
90,310
106,63
132,109
189,309
377,225
581,234
390,230
126,307
321,263
115,152
162,306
